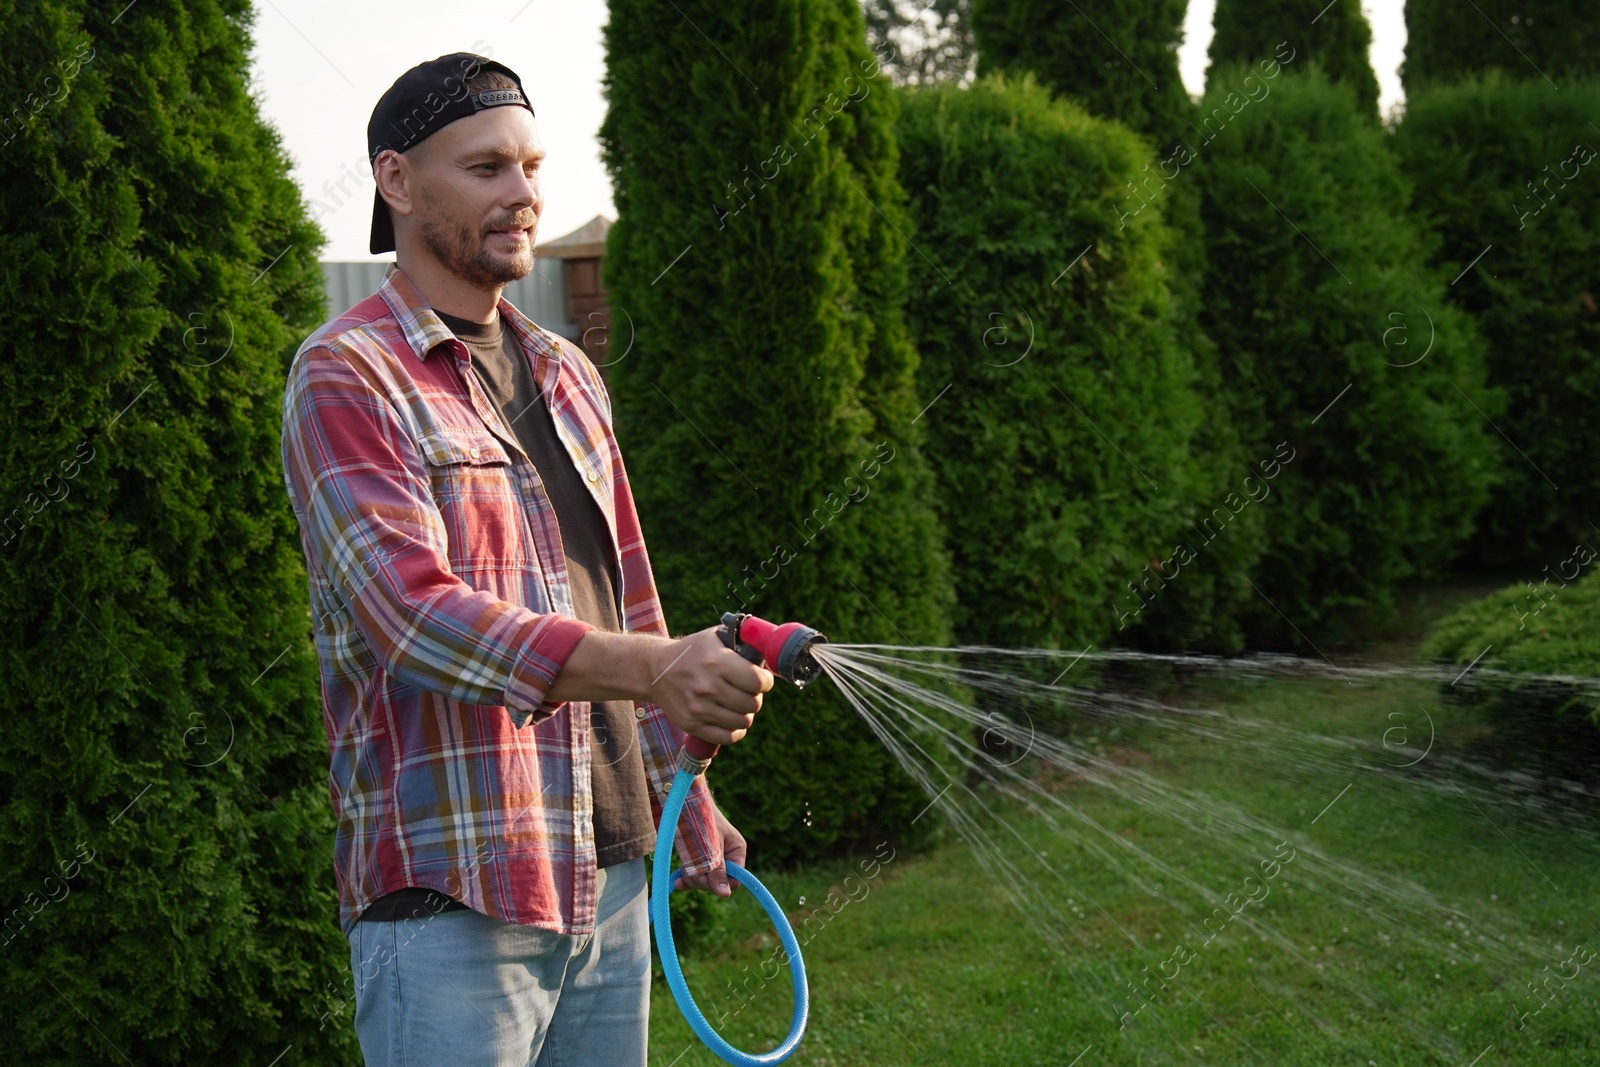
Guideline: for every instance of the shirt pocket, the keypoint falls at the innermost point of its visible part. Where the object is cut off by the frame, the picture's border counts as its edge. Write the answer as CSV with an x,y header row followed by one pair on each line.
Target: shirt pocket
x,y
462,447
474,490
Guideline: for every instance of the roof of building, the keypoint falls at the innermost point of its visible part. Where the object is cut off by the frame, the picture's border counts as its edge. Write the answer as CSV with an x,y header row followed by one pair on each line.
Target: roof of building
x,y
587,240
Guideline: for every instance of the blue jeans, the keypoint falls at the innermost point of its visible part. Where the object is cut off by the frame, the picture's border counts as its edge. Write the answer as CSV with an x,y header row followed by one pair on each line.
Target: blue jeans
x,y
461,989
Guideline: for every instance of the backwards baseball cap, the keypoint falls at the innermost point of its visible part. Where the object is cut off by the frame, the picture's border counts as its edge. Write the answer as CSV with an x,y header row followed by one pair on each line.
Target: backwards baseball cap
x,y
420,103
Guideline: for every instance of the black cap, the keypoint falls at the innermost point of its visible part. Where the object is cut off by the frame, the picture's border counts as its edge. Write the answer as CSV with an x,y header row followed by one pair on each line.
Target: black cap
x,y
421,102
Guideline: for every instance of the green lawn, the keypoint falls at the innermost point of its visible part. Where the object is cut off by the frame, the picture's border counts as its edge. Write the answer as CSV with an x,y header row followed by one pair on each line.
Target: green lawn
x,y
1488,886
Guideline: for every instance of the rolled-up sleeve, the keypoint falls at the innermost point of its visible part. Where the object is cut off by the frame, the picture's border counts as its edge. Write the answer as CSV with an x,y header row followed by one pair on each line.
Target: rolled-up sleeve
x,y
360,489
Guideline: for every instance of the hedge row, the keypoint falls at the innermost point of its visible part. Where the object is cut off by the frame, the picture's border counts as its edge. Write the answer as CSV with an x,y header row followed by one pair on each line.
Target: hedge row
x,y
1063,435
1119,63
1528,39
1346,468
1545,627
1245,32
1321,304
768,406
1505,173
165,837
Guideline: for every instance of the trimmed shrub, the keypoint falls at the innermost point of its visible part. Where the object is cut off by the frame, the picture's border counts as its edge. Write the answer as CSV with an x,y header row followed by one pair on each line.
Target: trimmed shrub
x,y
1527,658
1505,173
165,840
1067,413
1548,628
1122,64
1245,31
1527,39
1386,460
767,408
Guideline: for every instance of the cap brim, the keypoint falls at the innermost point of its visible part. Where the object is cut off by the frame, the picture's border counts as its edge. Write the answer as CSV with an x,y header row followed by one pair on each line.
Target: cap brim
x,y
382,238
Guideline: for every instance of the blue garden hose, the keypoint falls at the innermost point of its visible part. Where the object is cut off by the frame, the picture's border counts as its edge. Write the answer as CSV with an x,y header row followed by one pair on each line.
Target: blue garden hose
x,y
661,882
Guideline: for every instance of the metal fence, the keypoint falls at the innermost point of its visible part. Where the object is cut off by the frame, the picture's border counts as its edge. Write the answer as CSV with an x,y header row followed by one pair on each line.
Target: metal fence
x,y
542,295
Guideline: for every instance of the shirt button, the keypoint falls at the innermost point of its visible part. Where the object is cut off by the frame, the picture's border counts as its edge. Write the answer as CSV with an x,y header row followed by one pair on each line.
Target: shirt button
x,y
638,713
476,452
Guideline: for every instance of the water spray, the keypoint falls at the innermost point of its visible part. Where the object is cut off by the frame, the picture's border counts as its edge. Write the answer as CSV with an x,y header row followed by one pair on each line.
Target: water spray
x,y
786,650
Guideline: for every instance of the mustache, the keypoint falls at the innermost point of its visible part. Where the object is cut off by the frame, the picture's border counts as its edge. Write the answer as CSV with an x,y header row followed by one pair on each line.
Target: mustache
x,y
523,221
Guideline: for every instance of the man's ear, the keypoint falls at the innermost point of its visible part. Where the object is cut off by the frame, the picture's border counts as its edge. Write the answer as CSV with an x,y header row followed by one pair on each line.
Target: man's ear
x,y
393,175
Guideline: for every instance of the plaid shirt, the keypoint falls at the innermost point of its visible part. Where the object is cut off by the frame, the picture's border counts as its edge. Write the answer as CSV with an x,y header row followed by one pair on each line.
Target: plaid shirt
x,y
443,614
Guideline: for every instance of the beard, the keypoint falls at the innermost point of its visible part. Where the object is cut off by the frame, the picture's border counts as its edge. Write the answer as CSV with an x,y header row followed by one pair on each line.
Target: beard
x,y
466,255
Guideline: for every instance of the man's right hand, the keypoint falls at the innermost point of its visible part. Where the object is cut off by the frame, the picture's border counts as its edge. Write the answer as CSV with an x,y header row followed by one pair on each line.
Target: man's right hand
x,y
706,689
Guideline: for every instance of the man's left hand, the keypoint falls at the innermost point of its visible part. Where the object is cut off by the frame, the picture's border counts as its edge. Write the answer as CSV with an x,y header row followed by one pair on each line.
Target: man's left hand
x,y
733,848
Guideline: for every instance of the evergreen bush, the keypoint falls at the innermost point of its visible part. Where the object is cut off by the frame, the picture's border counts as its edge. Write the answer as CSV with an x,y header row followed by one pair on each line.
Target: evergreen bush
x,y
1340,353
165,838
1526,659
1544,628
1505,173
1246,31
767,410
1121,63
1523,39
1062,440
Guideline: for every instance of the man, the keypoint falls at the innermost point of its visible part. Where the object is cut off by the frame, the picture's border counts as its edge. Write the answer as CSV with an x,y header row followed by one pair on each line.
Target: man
x,y
502,702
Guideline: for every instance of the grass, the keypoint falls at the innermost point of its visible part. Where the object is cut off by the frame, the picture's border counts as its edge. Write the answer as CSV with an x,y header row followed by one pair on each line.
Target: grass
x,y
930,962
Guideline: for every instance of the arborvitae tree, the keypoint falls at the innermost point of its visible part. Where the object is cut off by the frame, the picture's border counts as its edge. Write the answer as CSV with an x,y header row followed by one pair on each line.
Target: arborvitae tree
x,y
165,839
1542,638
1124,65
1537,39
1324,316
1063,445
1246,31
1504,172
1120,61
767,409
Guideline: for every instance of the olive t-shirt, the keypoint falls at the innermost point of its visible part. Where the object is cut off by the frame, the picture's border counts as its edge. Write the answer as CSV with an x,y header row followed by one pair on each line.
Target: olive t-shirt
x,y
624,828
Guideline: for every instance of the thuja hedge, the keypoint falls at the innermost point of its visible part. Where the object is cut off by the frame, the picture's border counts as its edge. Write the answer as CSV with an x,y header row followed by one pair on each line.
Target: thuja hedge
x,y
1121,63
767,406
1524,39
1506,173
1525,658
1322,304
1065,430
1548,624
165,832
1247,31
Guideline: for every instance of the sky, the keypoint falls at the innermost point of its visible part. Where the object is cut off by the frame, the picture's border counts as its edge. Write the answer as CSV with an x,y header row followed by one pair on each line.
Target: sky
x,y
318,90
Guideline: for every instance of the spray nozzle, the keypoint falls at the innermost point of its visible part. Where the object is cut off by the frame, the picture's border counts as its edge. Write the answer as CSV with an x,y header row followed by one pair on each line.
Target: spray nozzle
x,y
785,648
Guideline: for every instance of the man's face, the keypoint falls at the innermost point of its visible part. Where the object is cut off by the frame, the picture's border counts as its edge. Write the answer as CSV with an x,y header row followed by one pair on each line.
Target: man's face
x,y
475,195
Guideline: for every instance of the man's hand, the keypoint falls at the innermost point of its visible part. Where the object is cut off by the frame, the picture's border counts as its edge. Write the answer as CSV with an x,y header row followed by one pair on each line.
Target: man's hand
x,y
733,848
707,689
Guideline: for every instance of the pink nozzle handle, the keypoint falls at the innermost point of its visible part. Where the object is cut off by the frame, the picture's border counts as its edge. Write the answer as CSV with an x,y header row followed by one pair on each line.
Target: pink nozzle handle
x,y
699,749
